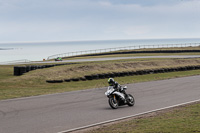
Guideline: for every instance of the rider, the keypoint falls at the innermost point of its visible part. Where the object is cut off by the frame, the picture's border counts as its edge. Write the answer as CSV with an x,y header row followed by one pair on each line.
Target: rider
x,y
115,85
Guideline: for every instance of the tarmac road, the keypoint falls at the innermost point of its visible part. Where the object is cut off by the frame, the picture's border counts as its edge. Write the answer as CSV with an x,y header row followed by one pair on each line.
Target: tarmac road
x,y
131,57
103,59
61,112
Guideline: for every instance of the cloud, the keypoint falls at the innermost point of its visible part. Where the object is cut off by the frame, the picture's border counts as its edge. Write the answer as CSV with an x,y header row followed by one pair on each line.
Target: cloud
x,y
136,30
105,3
28,20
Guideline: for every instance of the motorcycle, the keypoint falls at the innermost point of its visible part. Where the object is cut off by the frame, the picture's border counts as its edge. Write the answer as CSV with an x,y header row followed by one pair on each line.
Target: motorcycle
x,y
116,98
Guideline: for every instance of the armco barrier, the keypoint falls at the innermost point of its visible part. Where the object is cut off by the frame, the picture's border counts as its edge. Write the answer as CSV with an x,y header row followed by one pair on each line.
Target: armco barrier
x,y
128,73
131,49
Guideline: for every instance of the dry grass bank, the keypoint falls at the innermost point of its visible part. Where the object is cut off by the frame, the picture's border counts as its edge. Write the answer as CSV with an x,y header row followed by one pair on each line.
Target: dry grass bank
x,y
34,82
82,69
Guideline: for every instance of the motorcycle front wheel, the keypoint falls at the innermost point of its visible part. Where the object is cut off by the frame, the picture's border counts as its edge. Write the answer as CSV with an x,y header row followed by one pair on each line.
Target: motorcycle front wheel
x,y
113,102
130,100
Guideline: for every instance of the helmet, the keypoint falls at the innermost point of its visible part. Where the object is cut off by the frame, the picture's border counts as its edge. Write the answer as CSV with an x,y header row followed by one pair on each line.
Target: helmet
x,y
111,81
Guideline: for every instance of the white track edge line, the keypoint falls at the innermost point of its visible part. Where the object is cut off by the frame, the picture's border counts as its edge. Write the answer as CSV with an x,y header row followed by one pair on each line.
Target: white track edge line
x,y
109,121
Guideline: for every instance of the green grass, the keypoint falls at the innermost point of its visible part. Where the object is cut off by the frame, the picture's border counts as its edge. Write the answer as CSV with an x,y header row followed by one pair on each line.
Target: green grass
x,y
88,68
34,82
183,119
15,87
6,72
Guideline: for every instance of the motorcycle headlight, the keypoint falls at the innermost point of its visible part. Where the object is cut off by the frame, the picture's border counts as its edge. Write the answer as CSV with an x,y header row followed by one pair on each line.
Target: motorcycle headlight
x,y
106,93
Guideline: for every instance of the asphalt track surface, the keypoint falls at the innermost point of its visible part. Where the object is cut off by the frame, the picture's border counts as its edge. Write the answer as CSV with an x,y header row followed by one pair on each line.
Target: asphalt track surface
x,y
61,112
104,59
132,57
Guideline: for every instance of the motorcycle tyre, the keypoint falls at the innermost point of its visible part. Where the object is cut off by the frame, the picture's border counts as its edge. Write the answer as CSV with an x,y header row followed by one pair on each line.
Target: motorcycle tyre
x,y
131,103
111,103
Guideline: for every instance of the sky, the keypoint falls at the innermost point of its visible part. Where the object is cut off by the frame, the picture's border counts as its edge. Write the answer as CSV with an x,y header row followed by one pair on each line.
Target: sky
x,y
80,20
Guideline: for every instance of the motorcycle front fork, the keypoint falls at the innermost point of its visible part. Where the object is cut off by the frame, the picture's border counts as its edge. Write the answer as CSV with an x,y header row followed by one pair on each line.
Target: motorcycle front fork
x,y
115,100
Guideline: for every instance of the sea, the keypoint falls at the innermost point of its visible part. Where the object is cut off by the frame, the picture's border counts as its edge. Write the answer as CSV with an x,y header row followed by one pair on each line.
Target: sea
x,y
38,51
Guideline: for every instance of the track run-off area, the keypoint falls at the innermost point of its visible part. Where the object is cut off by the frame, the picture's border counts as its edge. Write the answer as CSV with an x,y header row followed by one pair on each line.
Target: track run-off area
x,y
72,110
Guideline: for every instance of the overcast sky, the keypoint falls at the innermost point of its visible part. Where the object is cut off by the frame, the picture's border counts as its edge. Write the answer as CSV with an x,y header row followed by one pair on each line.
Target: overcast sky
x,y
77,20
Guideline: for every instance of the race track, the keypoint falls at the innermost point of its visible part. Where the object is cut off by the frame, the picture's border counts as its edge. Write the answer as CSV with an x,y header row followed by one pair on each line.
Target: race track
x,y
126,58
62,112
103,59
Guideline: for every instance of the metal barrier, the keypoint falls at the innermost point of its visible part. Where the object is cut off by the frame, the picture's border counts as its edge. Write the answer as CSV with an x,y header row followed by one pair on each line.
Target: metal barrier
x,y
121,48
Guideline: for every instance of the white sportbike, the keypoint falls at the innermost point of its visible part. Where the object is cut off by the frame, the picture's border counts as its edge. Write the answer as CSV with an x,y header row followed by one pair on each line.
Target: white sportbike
x,y
118,98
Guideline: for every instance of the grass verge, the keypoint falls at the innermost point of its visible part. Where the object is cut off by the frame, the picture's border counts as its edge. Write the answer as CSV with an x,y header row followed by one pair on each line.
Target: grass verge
x,y
183,119
34,82
89,68
15,88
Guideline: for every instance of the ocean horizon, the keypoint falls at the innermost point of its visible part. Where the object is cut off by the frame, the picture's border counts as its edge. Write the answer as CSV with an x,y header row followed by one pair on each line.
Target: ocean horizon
x,y
37,51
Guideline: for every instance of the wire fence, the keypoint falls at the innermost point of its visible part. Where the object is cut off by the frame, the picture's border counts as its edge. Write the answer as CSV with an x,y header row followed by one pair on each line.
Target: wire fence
x,y
98,51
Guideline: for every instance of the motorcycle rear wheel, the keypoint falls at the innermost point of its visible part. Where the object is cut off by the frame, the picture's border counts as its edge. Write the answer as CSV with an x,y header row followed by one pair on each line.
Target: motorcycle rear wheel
x,y
113,103
130,100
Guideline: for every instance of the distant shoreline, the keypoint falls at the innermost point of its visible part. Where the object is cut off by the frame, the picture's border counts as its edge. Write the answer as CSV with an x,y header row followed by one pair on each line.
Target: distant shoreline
x,y
6,48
